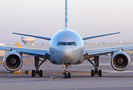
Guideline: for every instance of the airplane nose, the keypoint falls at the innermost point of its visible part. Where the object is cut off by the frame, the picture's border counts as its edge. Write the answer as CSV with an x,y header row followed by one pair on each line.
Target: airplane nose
x,y
66,55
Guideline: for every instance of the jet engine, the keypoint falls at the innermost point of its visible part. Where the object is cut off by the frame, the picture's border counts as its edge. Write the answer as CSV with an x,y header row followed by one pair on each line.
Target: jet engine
x,y
120,60
12,61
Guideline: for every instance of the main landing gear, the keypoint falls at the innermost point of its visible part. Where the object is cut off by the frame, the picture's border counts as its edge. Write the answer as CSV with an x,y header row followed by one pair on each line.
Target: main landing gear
x,y
37,65
66,74
96,65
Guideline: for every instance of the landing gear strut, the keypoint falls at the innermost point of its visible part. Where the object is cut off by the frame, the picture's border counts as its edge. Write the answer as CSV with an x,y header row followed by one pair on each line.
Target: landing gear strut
x,y
66,74
37,65
96,65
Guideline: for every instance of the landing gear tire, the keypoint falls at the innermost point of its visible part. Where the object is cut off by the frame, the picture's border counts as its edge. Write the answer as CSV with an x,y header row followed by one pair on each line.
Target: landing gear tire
x,y
37,66
96,73
100,73
33,73
41,73
66,75
69,75
92,73
96,65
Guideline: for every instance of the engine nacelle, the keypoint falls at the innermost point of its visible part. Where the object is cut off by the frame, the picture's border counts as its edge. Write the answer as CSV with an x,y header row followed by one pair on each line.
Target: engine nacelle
x,y
12,61
120,60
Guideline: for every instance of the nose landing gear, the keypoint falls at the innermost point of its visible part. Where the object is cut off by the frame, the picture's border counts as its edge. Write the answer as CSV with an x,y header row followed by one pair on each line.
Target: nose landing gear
x,y
66,74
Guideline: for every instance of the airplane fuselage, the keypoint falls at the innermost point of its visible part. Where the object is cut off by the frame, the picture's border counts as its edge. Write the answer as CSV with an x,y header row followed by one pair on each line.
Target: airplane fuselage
x,y
66,46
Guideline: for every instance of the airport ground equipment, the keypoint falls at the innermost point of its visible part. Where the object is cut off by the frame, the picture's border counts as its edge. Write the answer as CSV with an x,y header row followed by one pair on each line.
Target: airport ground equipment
x,y
51,78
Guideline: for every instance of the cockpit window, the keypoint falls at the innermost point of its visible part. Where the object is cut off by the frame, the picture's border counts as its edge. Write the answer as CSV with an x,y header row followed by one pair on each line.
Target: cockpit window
x,y
69,43
66,43
63,43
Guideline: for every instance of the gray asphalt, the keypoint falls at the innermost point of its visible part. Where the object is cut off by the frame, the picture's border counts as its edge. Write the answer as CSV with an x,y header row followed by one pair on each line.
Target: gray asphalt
x,y
112,80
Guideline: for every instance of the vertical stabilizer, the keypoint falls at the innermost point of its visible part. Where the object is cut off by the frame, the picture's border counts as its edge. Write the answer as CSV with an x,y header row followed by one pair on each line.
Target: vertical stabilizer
x,y
18,45
66,16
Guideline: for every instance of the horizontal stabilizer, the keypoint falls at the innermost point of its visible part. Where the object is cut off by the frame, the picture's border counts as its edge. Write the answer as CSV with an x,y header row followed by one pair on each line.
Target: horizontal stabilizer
x,y
42,37
95,36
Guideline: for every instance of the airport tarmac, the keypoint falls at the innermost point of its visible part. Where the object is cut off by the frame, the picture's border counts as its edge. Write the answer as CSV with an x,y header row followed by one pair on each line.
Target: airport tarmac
x,y
80,80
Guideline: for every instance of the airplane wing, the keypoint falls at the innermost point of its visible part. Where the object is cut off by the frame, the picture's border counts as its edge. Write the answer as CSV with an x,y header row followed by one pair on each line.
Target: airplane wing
x,y
89,37
42,37
101,51
35,52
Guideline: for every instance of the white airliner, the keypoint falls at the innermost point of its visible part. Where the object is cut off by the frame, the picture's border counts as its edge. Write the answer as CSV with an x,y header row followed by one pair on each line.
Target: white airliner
x,y
67,48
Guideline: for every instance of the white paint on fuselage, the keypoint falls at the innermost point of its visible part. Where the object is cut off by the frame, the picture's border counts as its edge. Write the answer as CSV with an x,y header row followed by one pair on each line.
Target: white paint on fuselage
x,y
66,53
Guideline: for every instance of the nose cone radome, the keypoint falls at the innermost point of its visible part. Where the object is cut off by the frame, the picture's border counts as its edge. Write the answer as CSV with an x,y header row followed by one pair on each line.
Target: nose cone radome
x,y
67,55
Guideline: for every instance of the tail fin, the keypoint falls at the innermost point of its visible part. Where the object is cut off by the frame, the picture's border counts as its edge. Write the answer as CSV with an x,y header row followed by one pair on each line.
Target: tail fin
x,y
66,16
18,45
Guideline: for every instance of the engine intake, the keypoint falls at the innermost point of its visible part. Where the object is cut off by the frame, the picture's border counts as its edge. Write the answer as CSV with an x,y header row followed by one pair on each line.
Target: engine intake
x,y
120,61
12,61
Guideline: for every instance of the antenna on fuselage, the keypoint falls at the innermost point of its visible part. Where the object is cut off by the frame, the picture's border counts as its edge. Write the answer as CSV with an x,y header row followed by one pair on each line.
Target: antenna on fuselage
x,y
66,16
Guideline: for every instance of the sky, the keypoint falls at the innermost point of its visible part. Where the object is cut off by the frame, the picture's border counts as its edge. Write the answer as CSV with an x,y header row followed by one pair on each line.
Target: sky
x,y
86,17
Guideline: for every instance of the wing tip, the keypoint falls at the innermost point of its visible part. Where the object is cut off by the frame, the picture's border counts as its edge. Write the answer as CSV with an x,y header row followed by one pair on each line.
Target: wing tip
x,y
117,32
